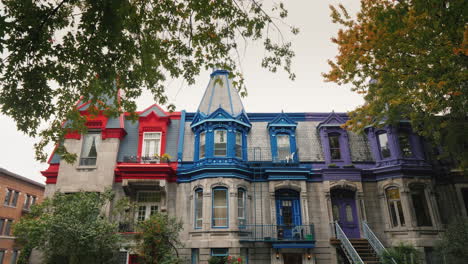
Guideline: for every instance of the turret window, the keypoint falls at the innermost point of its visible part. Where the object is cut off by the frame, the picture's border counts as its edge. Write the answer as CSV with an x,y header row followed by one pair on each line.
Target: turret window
x,y
334,143
384,145
202,145
220,143
239,144
405,145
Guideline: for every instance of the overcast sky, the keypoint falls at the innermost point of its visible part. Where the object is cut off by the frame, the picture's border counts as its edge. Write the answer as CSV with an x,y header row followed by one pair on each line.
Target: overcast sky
x,y
268,92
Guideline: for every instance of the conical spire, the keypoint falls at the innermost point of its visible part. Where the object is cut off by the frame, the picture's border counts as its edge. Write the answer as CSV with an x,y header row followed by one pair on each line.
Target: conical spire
x,y
221,93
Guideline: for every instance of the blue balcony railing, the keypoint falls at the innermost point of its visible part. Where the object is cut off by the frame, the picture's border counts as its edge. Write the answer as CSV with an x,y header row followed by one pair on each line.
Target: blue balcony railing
x,y
273,233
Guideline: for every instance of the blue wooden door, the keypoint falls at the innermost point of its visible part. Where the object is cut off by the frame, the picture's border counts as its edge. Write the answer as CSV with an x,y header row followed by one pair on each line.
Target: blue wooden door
x,y
288,216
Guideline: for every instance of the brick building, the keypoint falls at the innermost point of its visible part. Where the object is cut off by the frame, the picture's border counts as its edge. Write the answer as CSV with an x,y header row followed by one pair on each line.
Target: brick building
x,y
17,194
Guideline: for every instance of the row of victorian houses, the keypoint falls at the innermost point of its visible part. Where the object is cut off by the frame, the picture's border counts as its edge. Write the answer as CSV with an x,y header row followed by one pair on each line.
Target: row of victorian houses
x,y
269,187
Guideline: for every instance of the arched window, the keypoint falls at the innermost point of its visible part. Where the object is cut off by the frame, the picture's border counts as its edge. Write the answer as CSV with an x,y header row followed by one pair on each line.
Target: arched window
x,y
198,208
241,210
394,206
220,207
220,142
420,205
202,145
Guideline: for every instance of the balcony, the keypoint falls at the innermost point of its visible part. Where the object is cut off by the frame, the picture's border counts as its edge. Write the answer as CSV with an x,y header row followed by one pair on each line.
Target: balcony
x,y
145,159
263,155
277,233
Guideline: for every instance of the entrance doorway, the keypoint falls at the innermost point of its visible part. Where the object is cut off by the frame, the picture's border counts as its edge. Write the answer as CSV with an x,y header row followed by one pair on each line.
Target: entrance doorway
x,y
344,211
291,258
288,214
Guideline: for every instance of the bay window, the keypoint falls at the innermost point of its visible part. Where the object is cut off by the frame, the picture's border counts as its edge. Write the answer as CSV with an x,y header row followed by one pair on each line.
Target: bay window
x,y
241,206
198,208
238,146
220,142
394,206
405,145
420,205
220,207
91,142
202,145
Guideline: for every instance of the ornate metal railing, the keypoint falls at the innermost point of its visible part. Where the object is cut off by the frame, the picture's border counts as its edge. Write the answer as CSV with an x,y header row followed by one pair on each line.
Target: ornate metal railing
x,y
373,240
262,154
277,233
145,159
348,248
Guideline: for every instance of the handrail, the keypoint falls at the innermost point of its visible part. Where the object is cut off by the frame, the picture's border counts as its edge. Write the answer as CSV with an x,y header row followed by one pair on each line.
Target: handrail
x,y
374,240
348,248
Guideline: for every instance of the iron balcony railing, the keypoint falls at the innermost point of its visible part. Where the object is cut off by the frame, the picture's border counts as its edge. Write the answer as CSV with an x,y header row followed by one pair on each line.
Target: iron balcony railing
x,y
145,159
272,233
261,154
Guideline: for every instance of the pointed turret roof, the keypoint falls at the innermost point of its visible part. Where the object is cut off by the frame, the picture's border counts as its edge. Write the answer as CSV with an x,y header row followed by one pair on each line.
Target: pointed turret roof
x,y
220,93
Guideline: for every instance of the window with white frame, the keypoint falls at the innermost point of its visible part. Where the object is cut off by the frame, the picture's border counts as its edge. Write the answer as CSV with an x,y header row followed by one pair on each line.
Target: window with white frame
x,y
202,145
29,200
148,204
394,206
151,146
241,215
220,142
198,208
11,197
89,150
384,145
220,207
238,144
5,227
283,146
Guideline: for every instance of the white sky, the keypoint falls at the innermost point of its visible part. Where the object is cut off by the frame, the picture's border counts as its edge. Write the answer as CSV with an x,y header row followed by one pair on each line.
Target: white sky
x,y
268,92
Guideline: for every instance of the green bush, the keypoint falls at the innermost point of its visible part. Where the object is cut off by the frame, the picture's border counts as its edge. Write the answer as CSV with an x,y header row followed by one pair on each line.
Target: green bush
x,y
402,254
453,243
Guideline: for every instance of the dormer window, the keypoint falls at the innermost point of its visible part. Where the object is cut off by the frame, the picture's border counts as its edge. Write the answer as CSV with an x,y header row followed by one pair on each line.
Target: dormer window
x,y
334,143
90,147
283,147
238,146
220,143
405,145
384,145
202,145
151,145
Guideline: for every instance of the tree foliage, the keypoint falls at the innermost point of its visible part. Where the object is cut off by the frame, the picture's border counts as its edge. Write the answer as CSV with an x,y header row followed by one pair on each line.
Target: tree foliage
x,y
401,254
409,59
55,51
157,240
452,246
70,228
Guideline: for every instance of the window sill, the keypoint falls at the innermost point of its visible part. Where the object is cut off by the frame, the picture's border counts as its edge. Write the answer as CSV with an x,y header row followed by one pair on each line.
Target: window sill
x,y
86,168
7,237
9,206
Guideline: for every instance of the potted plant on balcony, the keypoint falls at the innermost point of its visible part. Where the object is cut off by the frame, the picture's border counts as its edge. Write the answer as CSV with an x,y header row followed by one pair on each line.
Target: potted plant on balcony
x,y
165,158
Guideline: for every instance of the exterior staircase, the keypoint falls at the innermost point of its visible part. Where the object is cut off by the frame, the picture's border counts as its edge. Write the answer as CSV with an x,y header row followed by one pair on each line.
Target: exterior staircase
x,y
365,251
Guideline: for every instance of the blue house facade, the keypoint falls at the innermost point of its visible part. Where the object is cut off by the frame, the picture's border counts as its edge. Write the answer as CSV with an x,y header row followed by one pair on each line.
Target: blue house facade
x,y
298,188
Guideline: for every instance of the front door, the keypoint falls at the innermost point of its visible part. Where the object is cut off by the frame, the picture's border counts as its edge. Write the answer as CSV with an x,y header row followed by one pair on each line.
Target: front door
x,y
288,214
290,258
344,211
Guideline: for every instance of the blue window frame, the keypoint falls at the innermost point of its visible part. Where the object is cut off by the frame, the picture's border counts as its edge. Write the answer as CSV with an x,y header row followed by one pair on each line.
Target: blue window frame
x,y
198,208
219,252
220,142
238,146
201,145
241,210
283,146
220,207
